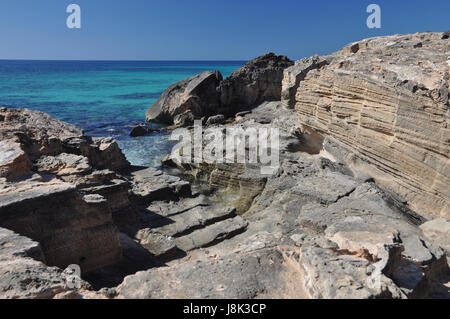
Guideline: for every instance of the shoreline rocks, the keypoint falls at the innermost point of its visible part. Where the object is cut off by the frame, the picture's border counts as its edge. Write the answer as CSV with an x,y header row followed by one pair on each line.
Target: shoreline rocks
x,y
197,94
207,94
324,224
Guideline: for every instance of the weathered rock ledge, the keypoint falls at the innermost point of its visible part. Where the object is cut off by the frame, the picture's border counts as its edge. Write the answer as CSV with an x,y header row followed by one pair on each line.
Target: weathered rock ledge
x,y
337,219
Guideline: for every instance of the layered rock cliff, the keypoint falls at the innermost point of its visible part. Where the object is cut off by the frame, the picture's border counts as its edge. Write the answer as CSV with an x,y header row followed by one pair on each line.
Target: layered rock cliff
x,y
382,106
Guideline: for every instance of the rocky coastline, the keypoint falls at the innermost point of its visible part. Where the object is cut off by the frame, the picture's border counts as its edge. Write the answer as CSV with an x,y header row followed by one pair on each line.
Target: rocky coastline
x,y
358,207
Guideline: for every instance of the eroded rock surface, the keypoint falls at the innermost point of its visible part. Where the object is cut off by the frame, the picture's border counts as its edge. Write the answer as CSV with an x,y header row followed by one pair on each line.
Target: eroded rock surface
x,y
383,106
334,218
197,94
257,81
205,94
347,227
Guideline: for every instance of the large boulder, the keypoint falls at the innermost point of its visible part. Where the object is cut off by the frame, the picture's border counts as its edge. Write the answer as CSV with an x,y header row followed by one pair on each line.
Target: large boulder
x,y
197,94
257,81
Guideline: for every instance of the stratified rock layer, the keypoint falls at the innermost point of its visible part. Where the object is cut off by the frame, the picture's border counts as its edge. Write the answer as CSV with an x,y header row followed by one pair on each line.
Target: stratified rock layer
x,y
44,166
383,106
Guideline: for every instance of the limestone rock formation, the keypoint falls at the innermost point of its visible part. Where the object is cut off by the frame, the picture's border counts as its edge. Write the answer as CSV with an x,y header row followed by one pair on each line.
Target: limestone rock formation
x,y
347,227
293,75
46,163
205,94
382,106
23,274
197,94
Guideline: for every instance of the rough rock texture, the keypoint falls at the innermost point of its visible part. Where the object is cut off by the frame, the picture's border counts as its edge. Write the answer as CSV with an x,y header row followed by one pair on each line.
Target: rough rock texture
x,y
140,131
197,94
438,232
23,274
293,75
260,274
347,227
40,194
257,81
206,95
383,106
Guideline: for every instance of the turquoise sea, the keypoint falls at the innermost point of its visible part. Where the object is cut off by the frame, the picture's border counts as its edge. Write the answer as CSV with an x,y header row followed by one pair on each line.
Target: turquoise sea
x,y
105,98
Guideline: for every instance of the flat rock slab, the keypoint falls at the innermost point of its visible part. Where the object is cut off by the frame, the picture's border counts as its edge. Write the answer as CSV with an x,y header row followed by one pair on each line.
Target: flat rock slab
x,y
242,276
31,189
328,188
19,246
195,218
212,234
171,208
161,246
151,184
438,232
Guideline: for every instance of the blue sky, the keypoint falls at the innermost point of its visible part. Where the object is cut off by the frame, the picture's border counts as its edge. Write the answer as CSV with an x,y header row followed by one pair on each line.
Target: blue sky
x,y
202,29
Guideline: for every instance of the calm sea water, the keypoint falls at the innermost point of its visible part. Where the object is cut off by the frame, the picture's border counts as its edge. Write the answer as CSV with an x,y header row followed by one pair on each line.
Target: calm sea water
x,y
104,98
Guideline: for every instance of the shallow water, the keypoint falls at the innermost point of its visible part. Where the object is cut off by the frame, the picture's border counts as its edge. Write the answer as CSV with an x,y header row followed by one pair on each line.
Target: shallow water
x,y
105,98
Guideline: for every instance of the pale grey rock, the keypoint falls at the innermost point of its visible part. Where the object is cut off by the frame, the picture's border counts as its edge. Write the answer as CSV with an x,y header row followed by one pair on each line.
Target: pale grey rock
x,y
437,231
260,274
293,75
212,234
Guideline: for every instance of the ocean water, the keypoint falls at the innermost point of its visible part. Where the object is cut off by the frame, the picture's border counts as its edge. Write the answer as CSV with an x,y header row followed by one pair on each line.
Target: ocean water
x,y
104,98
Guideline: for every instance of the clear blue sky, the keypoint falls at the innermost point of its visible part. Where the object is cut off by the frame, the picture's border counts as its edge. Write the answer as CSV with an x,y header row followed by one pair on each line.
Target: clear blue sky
x,y
202,29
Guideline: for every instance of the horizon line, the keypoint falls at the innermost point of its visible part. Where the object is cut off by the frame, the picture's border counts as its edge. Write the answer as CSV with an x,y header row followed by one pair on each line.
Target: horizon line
x,y
125,60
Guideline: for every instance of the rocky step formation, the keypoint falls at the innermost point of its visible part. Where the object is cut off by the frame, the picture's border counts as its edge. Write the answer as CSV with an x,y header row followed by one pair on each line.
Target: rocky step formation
x,y
169,220
341,221
84,204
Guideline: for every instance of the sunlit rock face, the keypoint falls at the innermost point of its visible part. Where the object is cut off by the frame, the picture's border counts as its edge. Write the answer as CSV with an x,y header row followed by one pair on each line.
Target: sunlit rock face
x,y
382,106
55,184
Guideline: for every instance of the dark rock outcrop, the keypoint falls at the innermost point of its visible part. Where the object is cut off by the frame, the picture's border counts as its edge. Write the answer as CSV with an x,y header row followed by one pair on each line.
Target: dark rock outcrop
x,y
207,95
197,94
257,81
141,131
